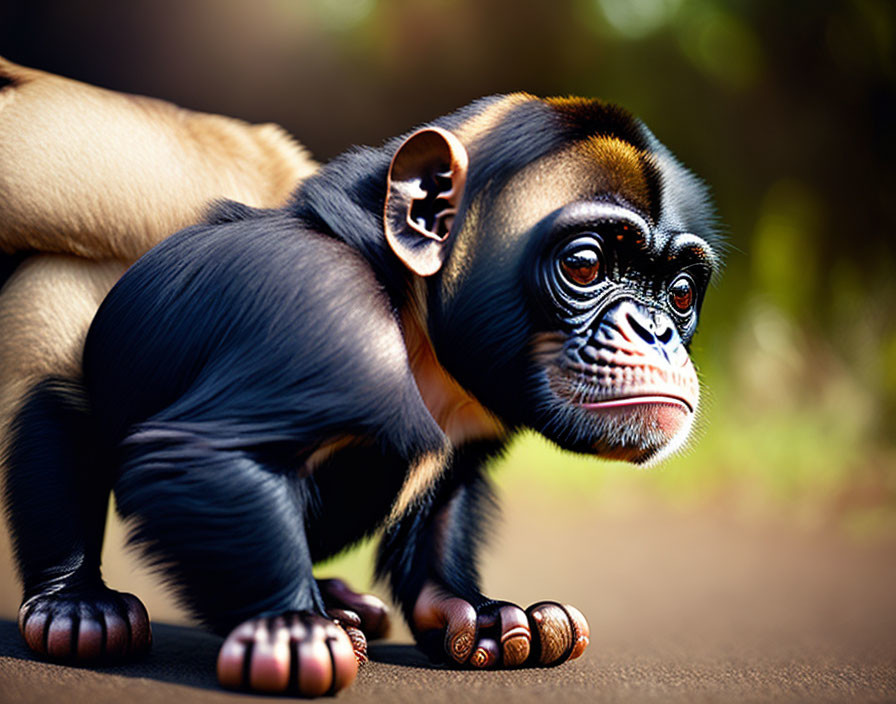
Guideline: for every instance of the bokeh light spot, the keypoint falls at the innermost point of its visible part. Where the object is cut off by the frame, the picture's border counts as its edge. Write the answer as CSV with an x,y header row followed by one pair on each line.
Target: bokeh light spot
x,y
638,18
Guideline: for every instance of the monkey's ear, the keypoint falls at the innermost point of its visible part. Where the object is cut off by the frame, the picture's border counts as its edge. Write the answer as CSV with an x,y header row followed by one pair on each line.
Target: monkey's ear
x,y
425,185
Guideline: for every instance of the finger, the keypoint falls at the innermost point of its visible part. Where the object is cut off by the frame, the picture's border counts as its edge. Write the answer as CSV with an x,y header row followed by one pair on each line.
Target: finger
x,y
315,665
138,618
59,636
270,659
344,617
116,633
90,638
516,637
231,662
345,661
486,654
460,632
582,631
552,631
34,626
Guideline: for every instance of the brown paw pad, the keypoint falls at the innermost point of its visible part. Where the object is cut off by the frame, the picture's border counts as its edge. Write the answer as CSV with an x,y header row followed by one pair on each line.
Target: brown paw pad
x,y
295,653
87,626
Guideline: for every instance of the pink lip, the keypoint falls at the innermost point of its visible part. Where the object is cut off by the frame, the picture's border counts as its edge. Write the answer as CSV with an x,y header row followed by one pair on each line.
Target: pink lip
x,y
639,401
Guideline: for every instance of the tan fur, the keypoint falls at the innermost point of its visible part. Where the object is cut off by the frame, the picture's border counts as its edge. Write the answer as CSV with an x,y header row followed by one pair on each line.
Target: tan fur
x,y
105,176
45,310
460,416
328,449
458,413
421,478
101,174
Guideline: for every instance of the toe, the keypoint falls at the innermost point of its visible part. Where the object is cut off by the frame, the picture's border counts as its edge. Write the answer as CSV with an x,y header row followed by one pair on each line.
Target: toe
x,y
515,636
582,631
460,633
270,660
116,633
33,627
59,636
486,654
315,665
435,612
344,655
232,659
554,632
90,637
138,622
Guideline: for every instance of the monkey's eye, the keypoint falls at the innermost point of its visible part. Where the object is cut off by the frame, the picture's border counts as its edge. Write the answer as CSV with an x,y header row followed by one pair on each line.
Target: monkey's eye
x,y
581,262
682,295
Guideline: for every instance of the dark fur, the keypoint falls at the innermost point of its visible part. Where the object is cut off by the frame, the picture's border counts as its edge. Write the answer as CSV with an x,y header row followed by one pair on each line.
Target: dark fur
x,y
234,349
8,265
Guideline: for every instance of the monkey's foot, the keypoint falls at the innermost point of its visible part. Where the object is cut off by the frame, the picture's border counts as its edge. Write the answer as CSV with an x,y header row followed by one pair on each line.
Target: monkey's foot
x,y
87,625
372,612
297,652
498,634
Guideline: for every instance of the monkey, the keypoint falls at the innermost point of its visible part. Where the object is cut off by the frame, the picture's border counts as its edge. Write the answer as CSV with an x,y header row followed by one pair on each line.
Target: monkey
x,y
271,386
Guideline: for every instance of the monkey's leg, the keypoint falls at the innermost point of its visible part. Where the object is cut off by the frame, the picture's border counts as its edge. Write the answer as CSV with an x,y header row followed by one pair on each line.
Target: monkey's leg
x,y
431,559
57,493
230,532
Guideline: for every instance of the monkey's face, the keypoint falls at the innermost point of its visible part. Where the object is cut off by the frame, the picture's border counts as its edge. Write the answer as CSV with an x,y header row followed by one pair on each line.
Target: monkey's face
x,y
617,306
577,318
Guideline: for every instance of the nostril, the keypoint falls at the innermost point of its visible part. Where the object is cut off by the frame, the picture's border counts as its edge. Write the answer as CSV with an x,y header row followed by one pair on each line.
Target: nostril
x,y
640,329
665,335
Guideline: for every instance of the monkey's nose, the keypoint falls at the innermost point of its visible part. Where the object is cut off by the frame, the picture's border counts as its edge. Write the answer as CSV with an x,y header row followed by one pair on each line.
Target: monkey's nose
x,y
642,327
650,328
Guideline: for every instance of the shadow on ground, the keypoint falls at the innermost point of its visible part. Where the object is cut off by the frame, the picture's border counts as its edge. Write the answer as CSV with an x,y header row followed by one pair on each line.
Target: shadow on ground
x,y
179,655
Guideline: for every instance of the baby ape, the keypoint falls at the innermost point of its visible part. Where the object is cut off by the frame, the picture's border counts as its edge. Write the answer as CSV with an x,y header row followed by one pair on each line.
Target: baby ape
x,y
265,389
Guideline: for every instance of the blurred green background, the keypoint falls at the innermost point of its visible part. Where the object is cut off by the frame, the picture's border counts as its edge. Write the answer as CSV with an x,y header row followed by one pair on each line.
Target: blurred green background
x,y
787,109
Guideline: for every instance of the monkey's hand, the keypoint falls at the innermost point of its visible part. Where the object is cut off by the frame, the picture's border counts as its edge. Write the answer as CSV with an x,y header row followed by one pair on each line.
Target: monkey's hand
x,y
298,652
497,633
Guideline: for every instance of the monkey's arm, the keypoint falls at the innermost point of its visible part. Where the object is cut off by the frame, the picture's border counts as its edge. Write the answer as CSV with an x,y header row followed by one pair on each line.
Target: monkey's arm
x,y
431,559
105,175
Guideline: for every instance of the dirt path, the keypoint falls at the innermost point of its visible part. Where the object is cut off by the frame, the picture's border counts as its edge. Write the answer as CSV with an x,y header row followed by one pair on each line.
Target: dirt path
x,y
682,608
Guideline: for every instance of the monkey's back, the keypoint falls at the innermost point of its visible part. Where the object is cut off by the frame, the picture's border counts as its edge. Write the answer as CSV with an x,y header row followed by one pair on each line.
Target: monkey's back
x,y
249,327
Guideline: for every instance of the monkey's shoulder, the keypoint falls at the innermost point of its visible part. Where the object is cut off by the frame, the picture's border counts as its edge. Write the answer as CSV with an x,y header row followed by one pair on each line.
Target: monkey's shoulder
x,y
270,267
260,300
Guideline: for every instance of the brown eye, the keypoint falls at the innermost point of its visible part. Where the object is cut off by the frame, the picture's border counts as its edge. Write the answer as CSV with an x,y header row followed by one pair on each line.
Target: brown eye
x,y
581,266
682,295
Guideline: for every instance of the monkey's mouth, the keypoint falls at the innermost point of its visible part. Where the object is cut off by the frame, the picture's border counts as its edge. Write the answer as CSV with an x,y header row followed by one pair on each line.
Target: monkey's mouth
x,y
662,415
632,401
635,412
